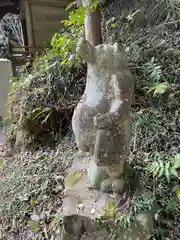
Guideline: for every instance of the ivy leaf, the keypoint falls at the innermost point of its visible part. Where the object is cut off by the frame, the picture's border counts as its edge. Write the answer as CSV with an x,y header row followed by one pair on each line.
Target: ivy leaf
x,y
113,25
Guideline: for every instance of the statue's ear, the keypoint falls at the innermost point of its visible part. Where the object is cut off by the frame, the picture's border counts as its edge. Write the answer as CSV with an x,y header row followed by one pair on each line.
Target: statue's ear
x,y
86,50
120,54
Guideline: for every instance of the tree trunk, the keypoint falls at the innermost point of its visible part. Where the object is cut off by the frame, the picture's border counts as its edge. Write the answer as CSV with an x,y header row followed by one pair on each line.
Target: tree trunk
x,y
93,25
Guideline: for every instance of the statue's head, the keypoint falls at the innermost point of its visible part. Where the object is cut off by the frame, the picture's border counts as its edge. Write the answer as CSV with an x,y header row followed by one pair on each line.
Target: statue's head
x,y
104,56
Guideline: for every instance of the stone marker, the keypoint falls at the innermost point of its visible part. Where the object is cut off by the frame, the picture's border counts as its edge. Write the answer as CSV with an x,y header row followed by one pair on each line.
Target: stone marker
x,y
5,75
102,128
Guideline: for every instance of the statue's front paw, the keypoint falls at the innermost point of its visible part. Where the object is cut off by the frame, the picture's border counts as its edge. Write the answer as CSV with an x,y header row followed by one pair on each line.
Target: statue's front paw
x,y
103,121
86,50
119,186
106,186
81,44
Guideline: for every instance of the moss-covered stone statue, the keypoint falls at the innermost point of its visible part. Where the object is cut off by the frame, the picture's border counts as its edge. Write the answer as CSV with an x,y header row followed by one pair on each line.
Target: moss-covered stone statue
x,y
101,121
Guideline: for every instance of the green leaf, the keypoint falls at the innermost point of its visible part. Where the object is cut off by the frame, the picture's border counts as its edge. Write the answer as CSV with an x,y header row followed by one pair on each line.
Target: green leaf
x,y
177,161
81,18
34,202
111,208
159,88
73,178
34,225
95,4
178,193
70,5
167,171
1,163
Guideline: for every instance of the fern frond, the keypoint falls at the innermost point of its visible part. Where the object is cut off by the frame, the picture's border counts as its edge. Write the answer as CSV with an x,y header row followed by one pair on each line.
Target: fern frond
x,y
167,171
161,163
159,168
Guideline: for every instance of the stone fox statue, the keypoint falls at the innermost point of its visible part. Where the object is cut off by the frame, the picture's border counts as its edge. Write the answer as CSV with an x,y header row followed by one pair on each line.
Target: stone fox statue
x,y
101,120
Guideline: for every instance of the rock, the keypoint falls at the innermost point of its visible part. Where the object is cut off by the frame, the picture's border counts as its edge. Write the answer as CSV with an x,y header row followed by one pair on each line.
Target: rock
x,y
35,217
146,221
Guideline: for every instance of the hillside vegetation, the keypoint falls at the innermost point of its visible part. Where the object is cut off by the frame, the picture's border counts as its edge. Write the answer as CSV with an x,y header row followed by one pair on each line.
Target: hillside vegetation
x,y
41,106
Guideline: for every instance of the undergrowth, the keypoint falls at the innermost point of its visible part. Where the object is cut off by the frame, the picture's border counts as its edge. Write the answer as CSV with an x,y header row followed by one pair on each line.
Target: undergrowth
x,y
31,191
149,32
42,102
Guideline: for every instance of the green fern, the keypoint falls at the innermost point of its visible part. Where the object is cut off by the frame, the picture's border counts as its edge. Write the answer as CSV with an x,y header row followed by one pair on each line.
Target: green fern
x,y
160,168
159,88
153,70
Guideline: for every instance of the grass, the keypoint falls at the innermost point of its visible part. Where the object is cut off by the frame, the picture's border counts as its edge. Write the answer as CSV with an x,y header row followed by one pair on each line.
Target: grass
x,y
31,183
31,191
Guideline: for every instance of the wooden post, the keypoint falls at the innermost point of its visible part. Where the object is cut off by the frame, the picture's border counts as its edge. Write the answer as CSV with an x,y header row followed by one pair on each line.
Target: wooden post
x,y
92,24
29,24
10,56
23,22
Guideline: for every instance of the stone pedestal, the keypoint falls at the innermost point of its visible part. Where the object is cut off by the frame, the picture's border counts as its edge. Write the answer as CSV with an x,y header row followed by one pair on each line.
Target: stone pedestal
x,y
85,210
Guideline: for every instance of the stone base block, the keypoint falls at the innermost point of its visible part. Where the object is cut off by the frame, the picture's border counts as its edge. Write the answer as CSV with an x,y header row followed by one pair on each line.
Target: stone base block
x,y
84,208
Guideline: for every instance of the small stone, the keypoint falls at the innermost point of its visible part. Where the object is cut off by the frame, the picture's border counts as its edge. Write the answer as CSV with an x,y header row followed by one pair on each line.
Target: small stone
x,y
93,211
80,206
35,217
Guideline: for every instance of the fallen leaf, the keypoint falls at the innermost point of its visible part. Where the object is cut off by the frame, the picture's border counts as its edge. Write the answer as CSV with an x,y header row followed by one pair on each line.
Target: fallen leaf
x,y
72,179
1,163
178,193
34,202
34,225
111,208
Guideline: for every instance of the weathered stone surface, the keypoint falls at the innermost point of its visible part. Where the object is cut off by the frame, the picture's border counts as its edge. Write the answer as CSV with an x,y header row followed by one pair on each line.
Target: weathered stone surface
x,y
79,199
101,121
98,186
82,206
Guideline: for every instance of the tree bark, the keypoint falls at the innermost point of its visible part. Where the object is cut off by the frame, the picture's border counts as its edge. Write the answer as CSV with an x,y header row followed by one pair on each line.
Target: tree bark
x,y
92,25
